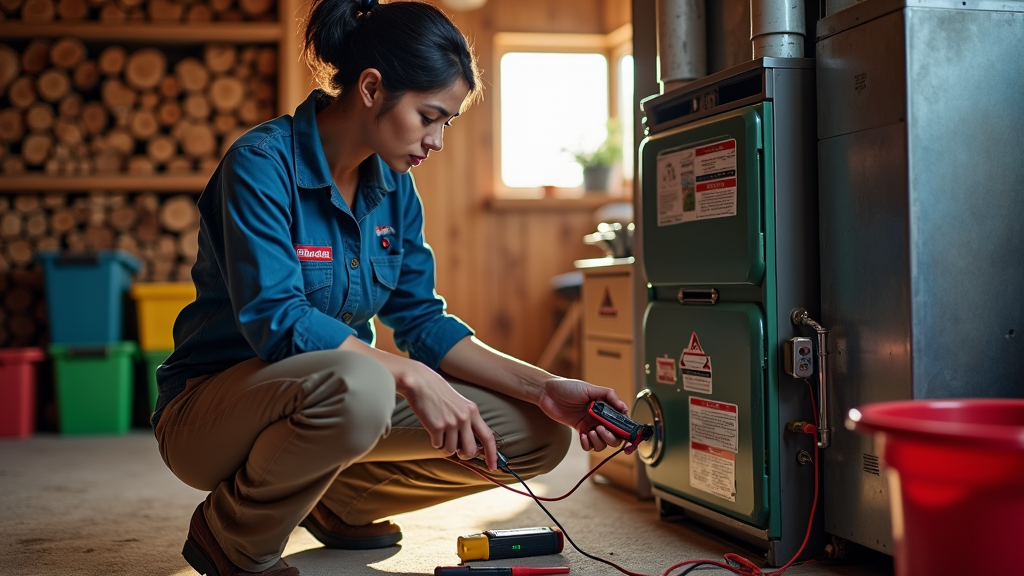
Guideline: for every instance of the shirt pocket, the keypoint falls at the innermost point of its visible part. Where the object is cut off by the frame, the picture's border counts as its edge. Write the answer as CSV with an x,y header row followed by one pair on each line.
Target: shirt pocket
x,y
317,279
386,270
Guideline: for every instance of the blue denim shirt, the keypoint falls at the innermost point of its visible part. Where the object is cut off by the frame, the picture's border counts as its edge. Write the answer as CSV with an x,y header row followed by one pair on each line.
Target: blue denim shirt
x,y
285,266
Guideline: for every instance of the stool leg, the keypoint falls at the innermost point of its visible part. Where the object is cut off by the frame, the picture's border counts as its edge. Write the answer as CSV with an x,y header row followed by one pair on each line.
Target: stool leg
x,y
566,328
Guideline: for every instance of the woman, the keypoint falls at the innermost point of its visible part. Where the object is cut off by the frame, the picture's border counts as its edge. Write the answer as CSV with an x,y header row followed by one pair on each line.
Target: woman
x,y
274,399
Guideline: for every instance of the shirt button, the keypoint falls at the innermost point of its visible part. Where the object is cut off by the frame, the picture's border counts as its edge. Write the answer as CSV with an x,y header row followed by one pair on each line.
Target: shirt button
x,y
354,263
346,316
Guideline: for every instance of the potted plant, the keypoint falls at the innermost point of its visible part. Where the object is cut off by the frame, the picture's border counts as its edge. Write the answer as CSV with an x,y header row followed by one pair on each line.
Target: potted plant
x,y
597,164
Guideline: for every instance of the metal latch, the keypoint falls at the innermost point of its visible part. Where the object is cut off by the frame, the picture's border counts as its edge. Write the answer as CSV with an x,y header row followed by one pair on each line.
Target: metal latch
x,y
698,296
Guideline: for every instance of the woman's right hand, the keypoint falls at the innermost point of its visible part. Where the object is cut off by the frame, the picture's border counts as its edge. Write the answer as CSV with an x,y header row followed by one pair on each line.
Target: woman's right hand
x,y
452,421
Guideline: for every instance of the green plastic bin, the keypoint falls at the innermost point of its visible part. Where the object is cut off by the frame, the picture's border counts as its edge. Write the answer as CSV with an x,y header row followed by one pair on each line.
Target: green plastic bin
x,y
152,360
94,387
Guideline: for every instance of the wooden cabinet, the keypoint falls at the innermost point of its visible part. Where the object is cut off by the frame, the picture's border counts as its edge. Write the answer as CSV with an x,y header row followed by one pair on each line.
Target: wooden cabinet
x,y
608,349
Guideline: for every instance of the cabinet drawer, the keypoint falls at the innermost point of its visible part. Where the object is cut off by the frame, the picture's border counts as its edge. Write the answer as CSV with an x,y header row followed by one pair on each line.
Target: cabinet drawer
x,y
607,363
608,305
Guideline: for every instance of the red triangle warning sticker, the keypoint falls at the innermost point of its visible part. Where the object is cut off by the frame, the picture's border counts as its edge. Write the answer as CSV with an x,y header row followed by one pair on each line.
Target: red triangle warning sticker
x,y
694,345
607,307
694,357
695,367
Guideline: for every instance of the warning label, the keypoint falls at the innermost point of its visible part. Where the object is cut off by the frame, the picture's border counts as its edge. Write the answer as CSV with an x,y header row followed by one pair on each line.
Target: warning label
x,y
666,370
607,308
697,183
695,366
715,178
713,471
715,424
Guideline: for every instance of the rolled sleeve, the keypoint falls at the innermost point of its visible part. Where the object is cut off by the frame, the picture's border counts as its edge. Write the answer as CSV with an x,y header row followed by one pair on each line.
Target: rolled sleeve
x,y
414,310
264,277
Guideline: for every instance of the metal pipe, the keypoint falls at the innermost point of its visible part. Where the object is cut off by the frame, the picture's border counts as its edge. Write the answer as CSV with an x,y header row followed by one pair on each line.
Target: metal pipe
x,y
682,42
800,317
777,28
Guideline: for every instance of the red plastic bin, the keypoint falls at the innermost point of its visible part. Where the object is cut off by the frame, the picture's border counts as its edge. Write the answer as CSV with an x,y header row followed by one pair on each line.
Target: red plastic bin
x,y
18,391
956,482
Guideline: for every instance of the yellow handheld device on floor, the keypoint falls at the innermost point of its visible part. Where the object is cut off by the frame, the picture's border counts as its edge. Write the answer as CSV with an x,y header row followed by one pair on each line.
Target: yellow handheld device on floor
x,y
515,543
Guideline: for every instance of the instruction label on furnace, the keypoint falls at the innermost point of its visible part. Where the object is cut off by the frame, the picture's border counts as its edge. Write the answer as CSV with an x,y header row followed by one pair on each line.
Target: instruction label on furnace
x,y
697,183
675,186
713,471
714,443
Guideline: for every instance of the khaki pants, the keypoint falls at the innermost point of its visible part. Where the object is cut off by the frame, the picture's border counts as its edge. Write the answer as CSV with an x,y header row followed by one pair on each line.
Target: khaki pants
x,y
270,440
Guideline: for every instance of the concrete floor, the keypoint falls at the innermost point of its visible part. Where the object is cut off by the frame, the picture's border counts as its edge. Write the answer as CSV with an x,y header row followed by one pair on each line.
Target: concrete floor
x,y
107,506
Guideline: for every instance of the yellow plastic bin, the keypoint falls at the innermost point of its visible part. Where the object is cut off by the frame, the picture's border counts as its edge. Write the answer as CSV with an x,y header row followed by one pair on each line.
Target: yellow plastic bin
x,y
158,304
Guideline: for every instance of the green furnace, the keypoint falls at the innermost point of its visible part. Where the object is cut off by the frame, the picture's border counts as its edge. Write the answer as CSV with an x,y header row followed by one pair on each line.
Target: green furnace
x,y
729,247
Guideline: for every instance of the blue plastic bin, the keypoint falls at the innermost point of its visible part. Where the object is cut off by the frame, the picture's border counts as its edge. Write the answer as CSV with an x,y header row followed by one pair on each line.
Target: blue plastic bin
x,y
84,294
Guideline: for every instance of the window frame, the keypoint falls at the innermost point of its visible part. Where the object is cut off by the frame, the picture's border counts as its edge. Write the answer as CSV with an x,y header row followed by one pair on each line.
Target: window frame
x,y
612,45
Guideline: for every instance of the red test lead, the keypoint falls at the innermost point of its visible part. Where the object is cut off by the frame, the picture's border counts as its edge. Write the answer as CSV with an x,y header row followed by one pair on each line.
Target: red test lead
x,y
497,571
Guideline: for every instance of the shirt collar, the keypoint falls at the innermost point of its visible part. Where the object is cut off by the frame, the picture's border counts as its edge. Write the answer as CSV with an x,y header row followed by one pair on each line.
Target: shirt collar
x,y
311,164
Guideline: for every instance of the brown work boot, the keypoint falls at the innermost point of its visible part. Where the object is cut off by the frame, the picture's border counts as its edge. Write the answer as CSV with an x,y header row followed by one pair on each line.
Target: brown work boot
x,y
205,555
326,527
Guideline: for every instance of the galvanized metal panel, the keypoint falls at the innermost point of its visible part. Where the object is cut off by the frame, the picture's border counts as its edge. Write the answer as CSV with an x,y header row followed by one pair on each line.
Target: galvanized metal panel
x,y
865,299
920,223
966,182
861,78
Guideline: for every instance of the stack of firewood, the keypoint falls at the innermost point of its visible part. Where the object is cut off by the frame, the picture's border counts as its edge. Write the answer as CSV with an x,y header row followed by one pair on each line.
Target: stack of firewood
x,y
161,230
72,109
42,11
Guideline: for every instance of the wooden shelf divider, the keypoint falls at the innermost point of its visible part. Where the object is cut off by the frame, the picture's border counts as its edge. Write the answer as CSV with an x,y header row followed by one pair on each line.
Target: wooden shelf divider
x,y
191,183
183,33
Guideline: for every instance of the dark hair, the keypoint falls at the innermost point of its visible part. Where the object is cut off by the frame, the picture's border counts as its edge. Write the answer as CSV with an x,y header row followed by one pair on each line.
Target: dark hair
x,y
413,45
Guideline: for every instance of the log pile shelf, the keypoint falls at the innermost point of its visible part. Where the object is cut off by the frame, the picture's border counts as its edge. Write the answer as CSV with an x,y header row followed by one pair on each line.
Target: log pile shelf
x,y
113,116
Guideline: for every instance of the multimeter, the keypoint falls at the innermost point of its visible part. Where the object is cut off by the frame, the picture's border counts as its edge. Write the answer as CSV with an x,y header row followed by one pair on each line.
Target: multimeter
x,y
619,424
515,543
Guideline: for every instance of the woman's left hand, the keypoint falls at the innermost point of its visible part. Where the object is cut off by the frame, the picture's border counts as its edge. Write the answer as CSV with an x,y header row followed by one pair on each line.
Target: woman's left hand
x,y
565,400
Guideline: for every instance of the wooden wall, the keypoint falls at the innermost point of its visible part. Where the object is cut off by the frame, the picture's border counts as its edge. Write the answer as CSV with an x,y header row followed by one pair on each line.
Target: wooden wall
x,y
494,265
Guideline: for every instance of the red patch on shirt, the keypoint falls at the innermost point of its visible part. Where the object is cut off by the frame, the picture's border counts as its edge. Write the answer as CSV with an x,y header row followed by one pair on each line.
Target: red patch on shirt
x,y
314,253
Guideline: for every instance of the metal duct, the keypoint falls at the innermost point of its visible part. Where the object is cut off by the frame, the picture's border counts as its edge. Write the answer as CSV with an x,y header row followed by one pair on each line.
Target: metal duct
x,y
682,45
777,28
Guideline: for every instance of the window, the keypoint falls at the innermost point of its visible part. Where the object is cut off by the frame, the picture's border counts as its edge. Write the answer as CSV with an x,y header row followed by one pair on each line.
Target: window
x,y
556,95
626,113
552,104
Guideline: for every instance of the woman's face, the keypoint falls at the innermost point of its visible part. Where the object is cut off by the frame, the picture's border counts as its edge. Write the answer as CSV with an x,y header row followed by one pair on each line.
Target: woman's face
x,y
406,134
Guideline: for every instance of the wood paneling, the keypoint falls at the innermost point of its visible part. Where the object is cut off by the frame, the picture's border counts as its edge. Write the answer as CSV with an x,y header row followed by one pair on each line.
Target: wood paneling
x,y
494,267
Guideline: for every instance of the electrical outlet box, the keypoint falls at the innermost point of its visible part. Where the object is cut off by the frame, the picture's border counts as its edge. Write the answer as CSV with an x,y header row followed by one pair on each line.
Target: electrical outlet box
x,y
799,353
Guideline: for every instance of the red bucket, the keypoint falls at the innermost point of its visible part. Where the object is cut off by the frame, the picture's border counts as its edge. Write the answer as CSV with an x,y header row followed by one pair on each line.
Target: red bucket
x,y
956,482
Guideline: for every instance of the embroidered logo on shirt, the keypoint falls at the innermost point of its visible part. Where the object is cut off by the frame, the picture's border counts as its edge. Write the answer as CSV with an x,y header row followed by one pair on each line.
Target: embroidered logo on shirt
x,y
314,253
385,230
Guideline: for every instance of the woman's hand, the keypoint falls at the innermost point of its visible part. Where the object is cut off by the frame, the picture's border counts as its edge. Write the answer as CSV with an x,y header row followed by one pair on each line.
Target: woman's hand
x,y
452,421
566,401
